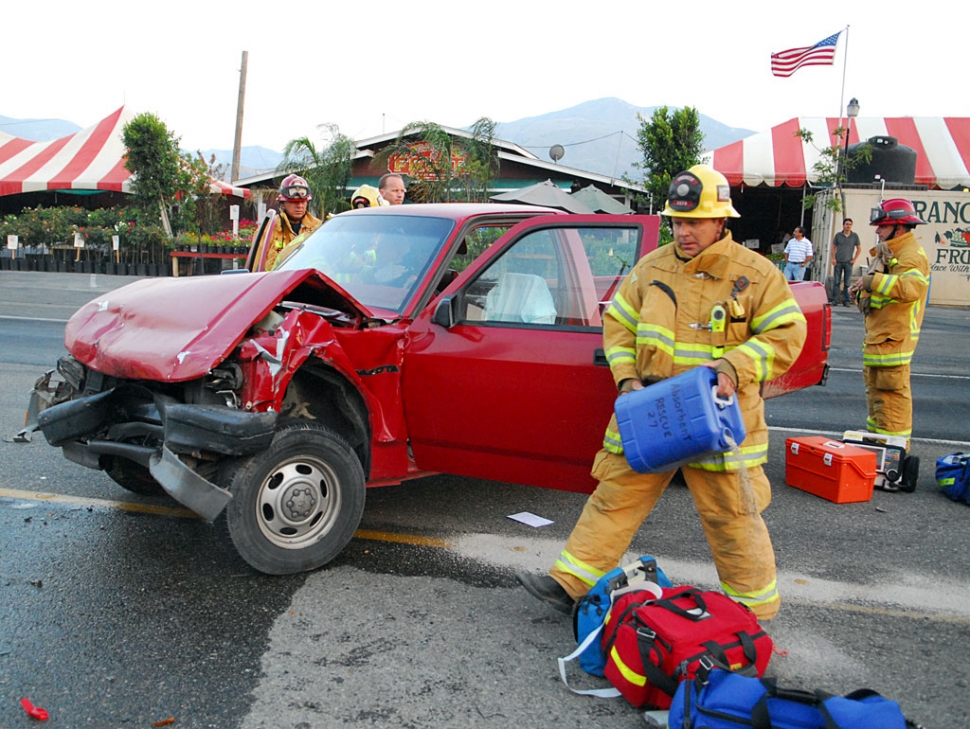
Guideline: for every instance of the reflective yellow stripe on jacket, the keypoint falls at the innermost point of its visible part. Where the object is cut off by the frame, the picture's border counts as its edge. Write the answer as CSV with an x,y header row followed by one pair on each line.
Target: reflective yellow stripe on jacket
x,y
747,456
612,440
655,335
627,315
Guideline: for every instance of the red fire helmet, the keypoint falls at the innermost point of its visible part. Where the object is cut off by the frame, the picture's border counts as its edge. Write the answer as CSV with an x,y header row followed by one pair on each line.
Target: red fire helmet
x,y
895,211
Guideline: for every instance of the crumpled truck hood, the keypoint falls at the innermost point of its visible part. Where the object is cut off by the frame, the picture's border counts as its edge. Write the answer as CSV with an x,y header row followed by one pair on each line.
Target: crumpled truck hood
x,y
173,330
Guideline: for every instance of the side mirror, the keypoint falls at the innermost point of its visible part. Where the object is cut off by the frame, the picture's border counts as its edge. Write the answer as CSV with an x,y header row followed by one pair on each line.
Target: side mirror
x,y
444,313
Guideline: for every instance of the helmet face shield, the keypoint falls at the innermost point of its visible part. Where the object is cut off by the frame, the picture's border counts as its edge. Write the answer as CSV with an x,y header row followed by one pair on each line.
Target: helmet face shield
x,y
295,192
294,189
897,211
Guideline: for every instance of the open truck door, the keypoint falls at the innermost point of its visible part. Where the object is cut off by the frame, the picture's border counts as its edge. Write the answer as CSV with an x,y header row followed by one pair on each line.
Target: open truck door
x,y
256,260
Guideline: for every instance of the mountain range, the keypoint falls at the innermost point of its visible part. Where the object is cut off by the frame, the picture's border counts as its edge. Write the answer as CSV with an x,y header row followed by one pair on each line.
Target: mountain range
x,y
596,136
600,136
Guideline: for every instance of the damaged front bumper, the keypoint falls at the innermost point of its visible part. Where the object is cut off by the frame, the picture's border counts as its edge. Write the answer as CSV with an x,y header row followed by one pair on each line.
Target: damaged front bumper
x,y
153,430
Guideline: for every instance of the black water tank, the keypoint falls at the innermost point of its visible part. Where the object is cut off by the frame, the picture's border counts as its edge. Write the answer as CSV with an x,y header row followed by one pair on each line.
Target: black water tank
x,y
891,160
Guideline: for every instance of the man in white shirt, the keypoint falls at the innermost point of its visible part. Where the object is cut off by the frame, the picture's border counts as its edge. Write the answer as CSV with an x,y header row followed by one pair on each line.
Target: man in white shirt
x,y
798,254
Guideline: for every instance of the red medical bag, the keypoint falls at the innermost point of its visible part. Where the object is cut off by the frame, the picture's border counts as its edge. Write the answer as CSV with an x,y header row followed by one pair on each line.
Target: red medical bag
x,y
653,645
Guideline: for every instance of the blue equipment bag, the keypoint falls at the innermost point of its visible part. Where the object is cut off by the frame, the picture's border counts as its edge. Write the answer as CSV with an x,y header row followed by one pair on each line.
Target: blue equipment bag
x,y
591,610
725,700
953,476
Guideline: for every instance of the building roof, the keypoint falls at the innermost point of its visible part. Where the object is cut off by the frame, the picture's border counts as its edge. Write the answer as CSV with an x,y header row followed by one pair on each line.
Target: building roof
x,y
778,157
506,151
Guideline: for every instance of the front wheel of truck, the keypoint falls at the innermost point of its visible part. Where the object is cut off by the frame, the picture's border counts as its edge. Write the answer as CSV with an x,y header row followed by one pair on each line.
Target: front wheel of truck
x,y
297,504
133,477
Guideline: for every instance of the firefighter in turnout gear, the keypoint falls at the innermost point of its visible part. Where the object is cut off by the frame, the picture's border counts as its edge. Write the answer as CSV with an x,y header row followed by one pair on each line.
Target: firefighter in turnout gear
x,y
704,301
892,295
293,223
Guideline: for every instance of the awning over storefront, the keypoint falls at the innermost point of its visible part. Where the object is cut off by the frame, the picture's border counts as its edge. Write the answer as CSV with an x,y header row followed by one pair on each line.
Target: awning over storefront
x,y
89,160
778,157
224,188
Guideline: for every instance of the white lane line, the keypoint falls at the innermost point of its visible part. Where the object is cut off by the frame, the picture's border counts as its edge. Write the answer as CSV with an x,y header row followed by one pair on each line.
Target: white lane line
x,y
837,435
910,594
911,374
33,318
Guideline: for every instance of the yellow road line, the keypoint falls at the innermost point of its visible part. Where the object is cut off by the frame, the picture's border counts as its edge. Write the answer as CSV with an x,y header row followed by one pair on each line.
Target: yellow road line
x,y
401,538
102,503
50,498
416,540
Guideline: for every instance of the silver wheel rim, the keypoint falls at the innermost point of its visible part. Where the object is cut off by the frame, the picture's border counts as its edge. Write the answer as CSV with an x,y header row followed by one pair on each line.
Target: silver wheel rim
x,y
297,503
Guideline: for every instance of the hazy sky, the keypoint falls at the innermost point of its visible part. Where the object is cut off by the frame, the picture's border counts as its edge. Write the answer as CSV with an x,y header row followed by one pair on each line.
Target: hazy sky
x,y
374,66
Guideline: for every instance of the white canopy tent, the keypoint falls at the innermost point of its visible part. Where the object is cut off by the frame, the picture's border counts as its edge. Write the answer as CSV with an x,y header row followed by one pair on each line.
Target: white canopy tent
x,y
89,160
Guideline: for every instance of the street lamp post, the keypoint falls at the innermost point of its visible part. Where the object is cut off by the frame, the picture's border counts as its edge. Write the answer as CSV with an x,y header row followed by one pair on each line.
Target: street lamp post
x,y
851,112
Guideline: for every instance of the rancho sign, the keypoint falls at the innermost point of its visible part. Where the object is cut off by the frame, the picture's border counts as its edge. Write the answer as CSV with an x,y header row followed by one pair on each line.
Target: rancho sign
x,y
945,237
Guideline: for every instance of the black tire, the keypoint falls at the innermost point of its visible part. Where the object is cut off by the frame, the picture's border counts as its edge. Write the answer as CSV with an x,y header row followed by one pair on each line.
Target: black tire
x,y
296,505
910,476
133,477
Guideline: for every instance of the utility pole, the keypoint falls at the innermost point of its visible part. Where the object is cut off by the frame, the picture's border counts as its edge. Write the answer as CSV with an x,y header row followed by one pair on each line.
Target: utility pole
x,y
237,145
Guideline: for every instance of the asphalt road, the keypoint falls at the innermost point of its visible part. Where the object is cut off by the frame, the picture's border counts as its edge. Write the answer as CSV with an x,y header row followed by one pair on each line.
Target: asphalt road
x,y
120,612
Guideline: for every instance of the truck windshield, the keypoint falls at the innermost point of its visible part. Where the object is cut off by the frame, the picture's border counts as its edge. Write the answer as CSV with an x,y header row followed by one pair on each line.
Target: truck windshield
x,y
380,260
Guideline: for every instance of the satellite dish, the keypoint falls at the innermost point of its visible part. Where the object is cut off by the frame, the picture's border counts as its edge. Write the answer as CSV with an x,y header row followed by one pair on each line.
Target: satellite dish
x,y
556,152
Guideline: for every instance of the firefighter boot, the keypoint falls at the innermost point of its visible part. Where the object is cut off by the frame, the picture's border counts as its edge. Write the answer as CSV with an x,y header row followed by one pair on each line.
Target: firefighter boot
x,y
545,588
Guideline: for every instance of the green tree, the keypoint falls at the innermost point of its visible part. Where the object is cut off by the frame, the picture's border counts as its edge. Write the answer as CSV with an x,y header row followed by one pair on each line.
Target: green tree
x,y
326,170
154,159
205,207
833,165
481,162
670,142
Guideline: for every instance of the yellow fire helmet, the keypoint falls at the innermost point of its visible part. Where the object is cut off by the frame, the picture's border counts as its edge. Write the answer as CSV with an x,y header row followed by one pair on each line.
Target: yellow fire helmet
x,y
700,192
366,196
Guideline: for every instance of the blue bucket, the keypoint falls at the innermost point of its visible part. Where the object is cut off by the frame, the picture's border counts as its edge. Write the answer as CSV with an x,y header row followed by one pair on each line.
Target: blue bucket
x,y
676,421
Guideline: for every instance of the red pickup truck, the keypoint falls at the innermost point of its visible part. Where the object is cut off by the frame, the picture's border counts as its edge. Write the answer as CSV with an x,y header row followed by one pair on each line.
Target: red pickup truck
x,y
393,343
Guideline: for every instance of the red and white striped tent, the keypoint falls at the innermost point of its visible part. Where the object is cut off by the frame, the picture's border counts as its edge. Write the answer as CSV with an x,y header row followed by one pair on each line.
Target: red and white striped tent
x,y
779,157
92,159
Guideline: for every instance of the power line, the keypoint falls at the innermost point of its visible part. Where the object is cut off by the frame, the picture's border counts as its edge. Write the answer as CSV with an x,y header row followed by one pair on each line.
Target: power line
x,y
576,144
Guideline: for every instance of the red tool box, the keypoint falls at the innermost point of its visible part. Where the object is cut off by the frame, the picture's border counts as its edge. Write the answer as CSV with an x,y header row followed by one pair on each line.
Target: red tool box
x,y
830,468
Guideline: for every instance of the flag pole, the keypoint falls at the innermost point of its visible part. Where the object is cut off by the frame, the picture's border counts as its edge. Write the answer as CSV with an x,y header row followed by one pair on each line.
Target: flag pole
x,y
845,63
843,144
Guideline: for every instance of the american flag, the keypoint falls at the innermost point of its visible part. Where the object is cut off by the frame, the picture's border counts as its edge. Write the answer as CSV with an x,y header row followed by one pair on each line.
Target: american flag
x,y
785,63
